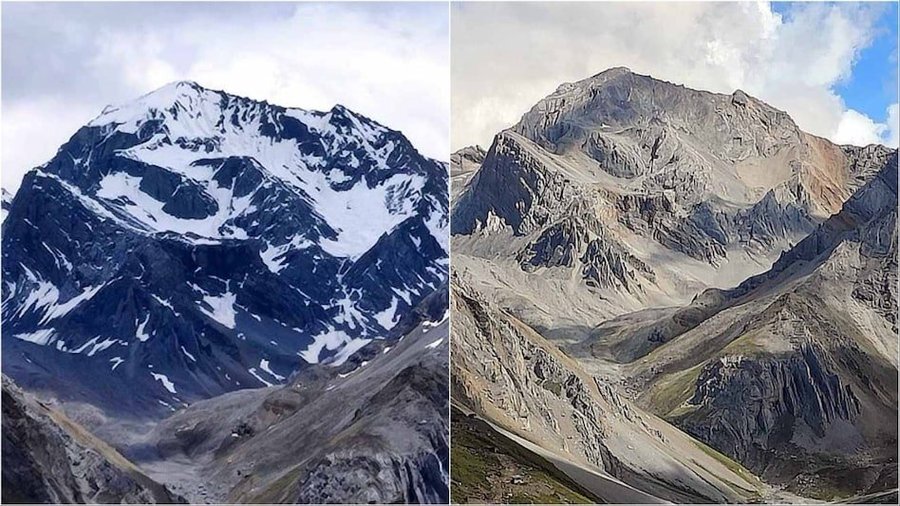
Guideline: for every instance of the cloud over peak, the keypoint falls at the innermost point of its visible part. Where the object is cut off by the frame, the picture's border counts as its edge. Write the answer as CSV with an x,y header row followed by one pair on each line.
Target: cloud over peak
x,y
508,56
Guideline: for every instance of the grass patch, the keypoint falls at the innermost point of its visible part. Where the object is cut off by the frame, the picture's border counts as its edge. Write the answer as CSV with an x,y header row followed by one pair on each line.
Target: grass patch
x,y
553,386
732,465
488,467
667,395
745,345
281,489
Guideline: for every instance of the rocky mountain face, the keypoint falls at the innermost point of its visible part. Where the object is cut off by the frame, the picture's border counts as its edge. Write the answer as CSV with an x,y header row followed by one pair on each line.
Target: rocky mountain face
x,y
193,243
47,458
604,177
794,372
703,258
463,165
372,430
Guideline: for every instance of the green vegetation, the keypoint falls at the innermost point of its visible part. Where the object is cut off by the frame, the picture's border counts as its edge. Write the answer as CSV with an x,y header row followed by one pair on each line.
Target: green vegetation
x,y
746,345
277,491
669,393
733,466
552,386
490,468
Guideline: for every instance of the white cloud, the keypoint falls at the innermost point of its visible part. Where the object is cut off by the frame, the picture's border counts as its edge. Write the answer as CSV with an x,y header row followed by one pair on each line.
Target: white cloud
x,y
508,56
33,130
387,61
893,126
858,129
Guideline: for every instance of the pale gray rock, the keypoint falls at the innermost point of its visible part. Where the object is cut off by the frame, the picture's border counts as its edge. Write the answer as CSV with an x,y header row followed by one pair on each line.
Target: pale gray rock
x,y
701,257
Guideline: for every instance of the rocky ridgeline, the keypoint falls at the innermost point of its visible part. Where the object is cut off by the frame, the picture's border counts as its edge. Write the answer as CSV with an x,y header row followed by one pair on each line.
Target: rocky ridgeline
x,y
525,376
505,371
372,430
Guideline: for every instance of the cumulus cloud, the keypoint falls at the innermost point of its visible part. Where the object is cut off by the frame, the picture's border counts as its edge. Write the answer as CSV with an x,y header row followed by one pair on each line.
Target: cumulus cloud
x,y
507,56
387,61
858,129
893,123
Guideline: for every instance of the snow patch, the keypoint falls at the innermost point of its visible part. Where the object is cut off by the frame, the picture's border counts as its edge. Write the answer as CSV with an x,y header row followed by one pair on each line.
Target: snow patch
x,y
115,362
388,317
188,355
264,365
381,209
162,378
252,371
349,349
141,335
222,308
274,256
41,336
329,339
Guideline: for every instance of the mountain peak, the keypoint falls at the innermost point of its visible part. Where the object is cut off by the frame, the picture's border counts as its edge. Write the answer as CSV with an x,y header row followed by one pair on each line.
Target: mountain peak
x,y
340,109
188,94
246,203
739,97
615,71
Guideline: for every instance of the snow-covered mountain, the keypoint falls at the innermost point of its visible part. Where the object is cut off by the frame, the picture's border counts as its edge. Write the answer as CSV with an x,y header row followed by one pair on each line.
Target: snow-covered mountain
x,y
193,242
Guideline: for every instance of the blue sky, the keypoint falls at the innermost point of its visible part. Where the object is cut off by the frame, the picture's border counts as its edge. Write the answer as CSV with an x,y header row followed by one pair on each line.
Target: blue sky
x,y
872,86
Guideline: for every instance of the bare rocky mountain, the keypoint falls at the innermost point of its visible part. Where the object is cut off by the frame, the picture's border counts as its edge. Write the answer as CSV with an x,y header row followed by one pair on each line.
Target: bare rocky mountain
x,y
506,372
701,258
48,458
625,192
793,372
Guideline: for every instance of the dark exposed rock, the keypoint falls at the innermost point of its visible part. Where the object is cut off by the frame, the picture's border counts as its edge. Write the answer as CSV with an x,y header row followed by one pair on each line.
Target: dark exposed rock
x,y
50,459
372,430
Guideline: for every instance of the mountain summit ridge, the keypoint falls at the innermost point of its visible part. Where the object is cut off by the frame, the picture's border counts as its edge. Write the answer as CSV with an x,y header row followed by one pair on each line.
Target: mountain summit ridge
x,y
710,178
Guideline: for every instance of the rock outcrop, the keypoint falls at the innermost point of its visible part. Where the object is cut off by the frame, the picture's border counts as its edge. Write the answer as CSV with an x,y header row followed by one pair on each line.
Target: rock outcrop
x,y
47,458
374,430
